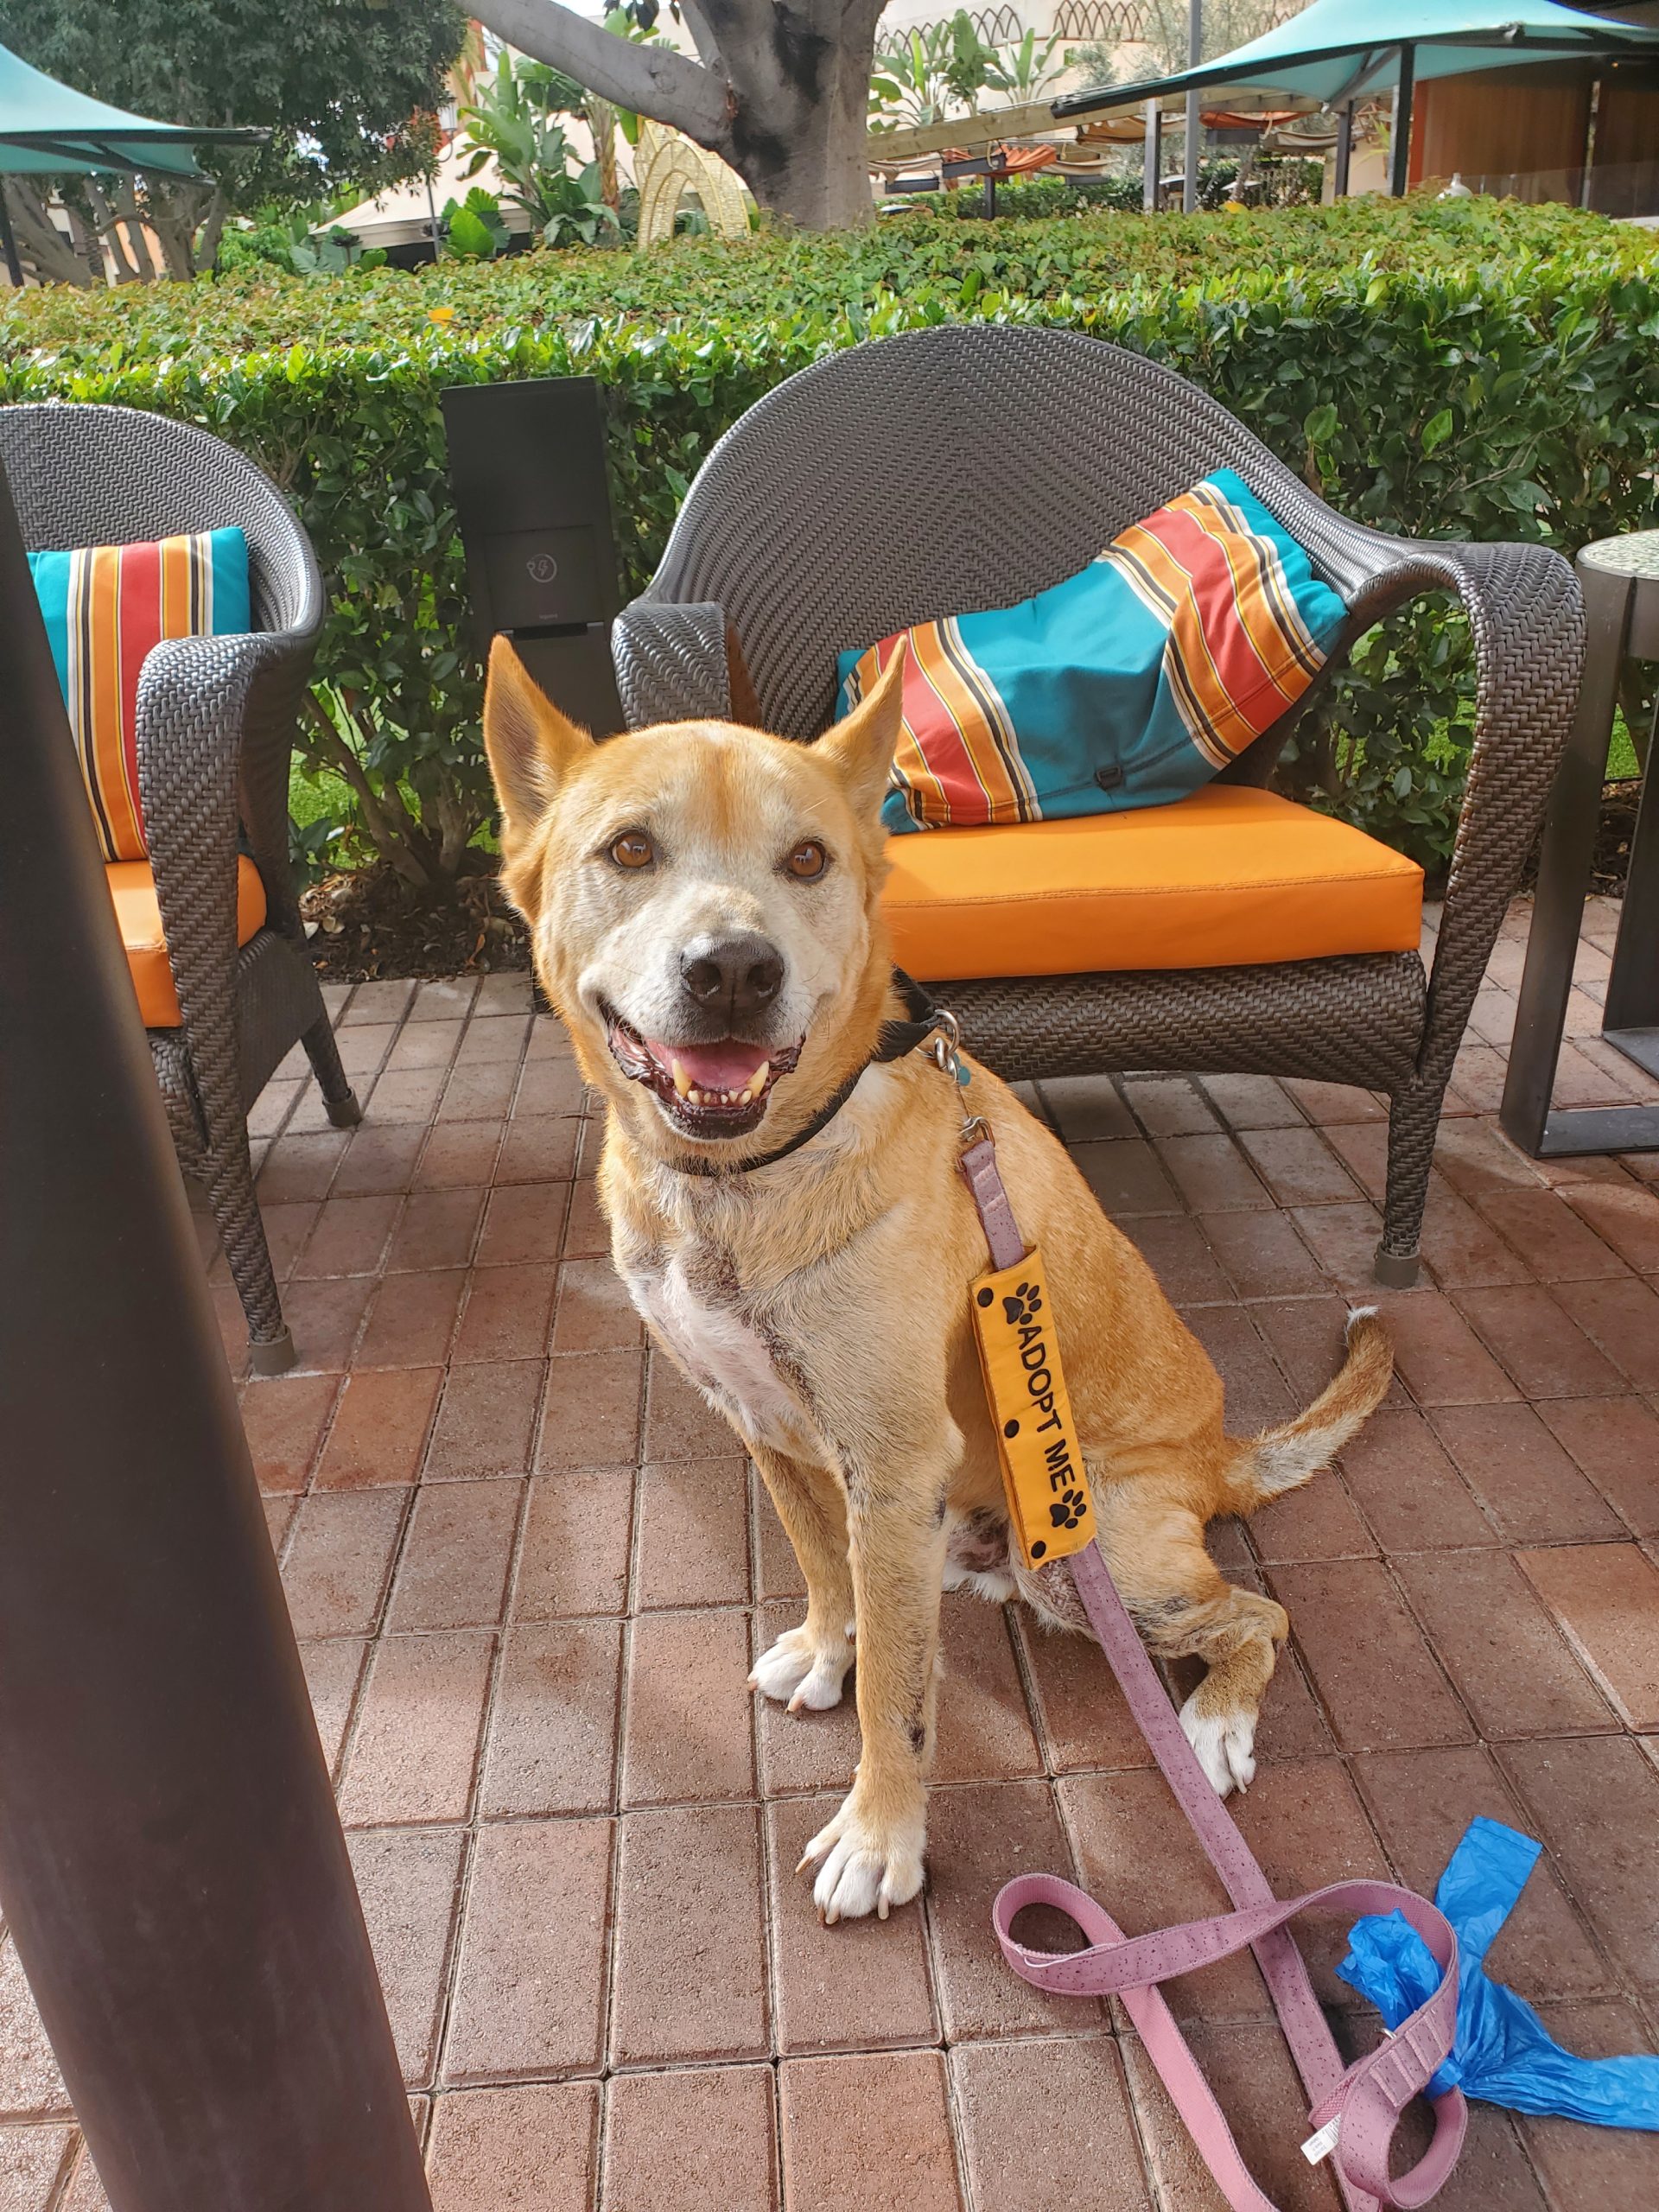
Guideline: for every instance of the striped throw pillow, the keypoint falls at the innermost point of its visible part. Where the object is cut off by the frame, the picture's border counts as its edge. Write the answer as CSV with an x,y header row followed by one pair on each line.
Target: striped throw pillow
x,y
105,605
1129,684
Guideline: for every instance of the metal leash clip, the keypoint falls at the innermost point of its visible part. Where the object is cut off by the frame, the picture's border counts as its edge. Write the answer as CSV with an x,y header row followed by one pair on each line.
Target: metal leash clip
x,y
945,1048
945,1051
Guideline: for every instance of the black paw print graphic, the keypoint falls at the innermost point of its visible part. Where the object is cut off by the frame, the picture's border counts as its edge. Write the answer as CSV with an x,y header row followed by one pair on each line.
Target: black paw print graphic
x,y
1026,1301
1068,1508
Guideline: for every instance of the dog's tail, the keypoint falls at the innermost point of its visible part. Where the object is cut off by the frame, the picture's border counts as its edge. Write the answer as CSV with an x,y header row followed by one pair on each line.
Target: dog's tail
x,y
1280,1458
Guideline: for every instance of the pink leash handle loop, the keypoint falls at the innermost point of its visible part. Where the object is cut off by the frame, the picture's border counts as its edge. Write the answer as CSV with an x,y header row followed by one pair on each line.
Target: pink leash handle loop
x,y
1368,2098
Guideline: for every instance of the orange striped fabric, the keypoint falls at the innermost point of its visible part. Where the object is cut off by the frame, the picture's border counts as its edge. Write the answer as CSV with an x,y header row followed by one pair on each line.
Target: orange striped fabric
x,y
1239,653
1127,684
105,608
957,750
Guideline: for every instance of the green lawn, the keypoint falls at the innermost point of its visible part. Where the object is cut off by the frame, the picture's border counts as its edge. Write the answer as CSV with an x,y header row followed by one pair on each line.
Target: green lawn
x,y
310,799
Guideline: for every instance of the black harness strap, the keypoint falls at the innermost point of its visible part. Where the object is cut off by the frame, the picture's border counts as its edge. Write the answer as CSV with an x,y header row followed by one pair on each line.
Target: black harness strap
x,y
894,1041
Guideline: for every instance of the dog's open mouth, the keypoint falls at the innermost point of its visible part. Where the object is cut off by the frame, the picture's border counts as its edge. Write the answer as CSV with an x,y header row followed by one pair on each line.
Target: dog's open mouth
x,y
706,1090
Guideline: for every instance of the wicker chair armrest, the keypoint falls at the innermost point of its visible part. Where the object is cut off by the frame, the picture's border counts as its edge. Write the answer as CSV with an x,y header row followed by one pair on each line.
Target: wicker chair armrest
x,y
670,663
1527,615
195,698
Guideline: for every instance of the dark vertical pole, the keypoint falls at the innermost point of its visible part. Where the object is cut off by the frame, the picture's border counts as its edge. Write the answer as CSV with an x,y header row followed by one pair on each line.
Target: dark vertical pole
x,y
1194,124
9,241
1345,148
1154,158
170,1861
1400,138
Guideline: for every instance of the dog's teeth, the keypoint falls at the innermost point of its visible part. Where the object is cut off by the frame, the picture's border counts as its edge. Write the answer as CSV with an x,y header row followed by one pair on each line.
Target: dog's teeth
x,y
682,1081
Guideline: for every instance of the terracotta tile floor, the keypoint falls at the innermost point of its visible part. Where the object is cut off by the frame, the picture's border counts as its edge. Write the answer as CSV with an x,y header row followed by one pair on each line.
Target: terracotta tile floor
x,y
528,1573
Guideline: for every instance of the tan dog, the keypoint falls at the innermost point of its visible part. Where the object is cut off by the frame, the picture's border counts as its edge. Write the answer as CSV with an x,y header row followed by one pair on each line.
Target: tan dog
x,y
703,902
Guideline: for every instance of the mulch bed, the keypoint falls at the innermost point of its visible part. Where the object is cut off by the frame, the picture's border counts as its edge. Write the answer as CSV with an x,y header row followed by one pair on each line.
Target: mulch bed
x,y
372,924
1618,827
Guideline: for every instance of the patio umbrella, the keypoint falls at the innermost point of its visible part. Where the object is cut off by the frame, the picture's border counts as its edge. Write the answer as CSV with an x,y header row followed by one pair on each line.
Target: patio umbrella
x,y
48,127
1339,50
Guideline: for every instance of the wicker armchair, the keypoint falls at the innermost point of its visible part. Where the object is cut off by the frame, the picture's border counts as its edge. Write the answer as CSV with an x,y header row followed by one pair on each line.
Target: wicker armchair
x,y
969,465
216,720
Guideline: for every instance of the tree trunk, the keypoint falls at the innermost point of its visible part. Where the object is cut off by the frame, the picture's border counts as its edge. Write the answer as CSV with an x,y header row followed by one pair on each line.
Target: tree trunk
x,y
781,92
40,242
104,218
213,228
602,121
800,83
175,213
85,239
131,215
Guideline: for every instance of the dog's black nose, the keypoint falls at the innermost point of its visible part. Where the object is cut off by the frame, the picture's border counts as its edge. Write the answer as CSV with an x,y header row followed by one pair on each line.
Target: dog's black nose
x,y
733,975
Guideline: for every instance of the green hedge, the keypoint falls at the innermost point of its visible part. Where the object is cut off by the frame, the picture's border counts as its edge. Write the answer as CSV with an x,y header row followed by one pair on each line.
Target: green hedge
x,y
1449,369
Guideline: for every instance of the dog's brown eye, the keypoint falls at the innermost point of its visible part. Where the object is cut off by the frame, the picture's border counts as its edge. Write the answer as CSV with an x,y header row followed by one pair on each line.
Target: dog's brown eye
x,y
808,860
634,850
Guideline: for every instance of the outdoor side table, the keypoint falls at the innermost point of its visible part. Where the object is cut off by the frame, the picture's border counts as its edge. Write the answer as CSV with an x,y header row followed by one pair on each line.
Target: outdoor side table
x,y
1619,577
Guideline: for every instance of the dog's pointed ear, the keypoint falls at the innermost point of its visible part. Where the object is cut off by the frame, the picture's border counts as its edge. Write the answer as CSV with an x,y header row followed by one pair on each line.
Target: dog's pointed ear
x,y
859,747
532,747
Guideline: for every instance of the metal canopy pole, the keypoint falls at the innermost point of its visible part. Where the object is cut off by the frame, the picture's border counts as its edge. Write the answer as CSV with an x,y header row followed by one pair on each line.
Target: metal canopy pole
x,y
171,1864
1194,127
1400,137
1154,158
1345,148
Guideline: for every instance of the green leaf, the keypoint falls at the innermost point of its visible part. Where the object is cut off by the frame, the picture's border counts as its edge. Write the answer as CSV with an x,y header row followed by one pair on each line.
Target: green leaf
x,y
1437,429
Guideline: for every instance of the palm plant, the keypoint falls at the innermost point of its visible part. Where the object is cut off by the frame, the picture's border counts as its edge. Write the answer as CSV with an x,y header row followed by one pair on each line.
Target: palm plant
x,y
513,120
929,72
1023,69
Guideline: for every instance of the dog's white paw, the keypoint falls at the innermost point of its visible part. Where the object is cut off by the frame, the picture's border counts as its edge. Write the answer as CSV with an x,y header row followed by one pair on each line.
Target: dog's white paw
x,y
863,1871
1225,1744
797,1672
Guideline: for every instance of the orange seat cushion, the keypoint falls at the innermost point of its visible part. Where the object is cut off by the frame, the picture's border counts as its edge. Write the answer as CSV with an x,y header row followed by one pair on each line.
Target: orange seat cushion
x,y
138,917
1230,877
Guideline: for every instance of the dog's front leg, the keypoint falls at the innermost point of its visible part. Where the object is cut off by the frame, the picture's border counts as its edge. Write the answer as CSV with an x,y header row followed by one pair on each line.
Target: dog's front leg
x,y
873,1849
807,1665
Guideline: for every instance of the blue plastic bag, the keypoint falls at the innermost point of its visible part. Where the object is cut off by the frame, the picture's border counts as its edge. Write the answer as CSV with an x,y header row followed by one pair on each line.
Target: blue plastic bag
x,y
1504,2053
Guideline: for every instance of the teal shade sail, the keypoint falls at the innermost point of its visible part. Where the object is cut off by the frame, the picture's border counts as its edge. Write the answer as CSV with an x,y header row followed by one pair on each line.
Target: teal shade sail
x,y
47,127
1341,50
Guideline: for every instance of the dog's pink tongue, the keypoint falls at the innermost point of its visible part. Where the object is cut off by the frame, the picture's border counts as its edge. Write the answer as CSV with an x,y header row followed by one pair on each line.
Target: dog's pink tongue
x,y
725,1066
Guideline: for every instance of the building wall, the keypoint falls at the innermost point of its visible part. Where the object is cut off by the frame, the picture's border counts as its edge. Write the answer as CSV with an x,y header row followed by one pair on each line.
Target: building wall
x,y
1498,123
1627,118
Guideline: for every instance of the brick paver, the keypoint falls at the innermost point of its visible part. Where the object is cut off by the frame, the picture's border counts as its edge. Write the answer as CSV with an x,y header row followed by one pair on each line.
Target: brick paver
x,y
529,1573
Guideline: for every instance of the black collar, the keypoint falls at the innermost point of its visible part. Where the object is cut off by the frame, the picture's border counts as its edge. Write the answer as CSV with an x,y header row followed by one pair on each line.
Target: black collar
x,y
894,1041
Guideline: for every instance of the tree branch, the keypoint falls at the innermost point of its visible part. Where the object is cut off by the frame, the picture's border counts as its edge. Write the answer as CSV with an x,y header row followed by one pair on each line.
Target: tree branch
x,y
206,245
702,37
39,238
393,830
104,225
653,80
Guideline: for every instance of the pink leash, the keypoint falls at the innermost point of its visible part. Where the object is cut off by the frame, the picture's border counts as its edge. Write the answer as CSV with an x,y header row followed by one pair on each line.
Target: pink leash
x,y
1364,2102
